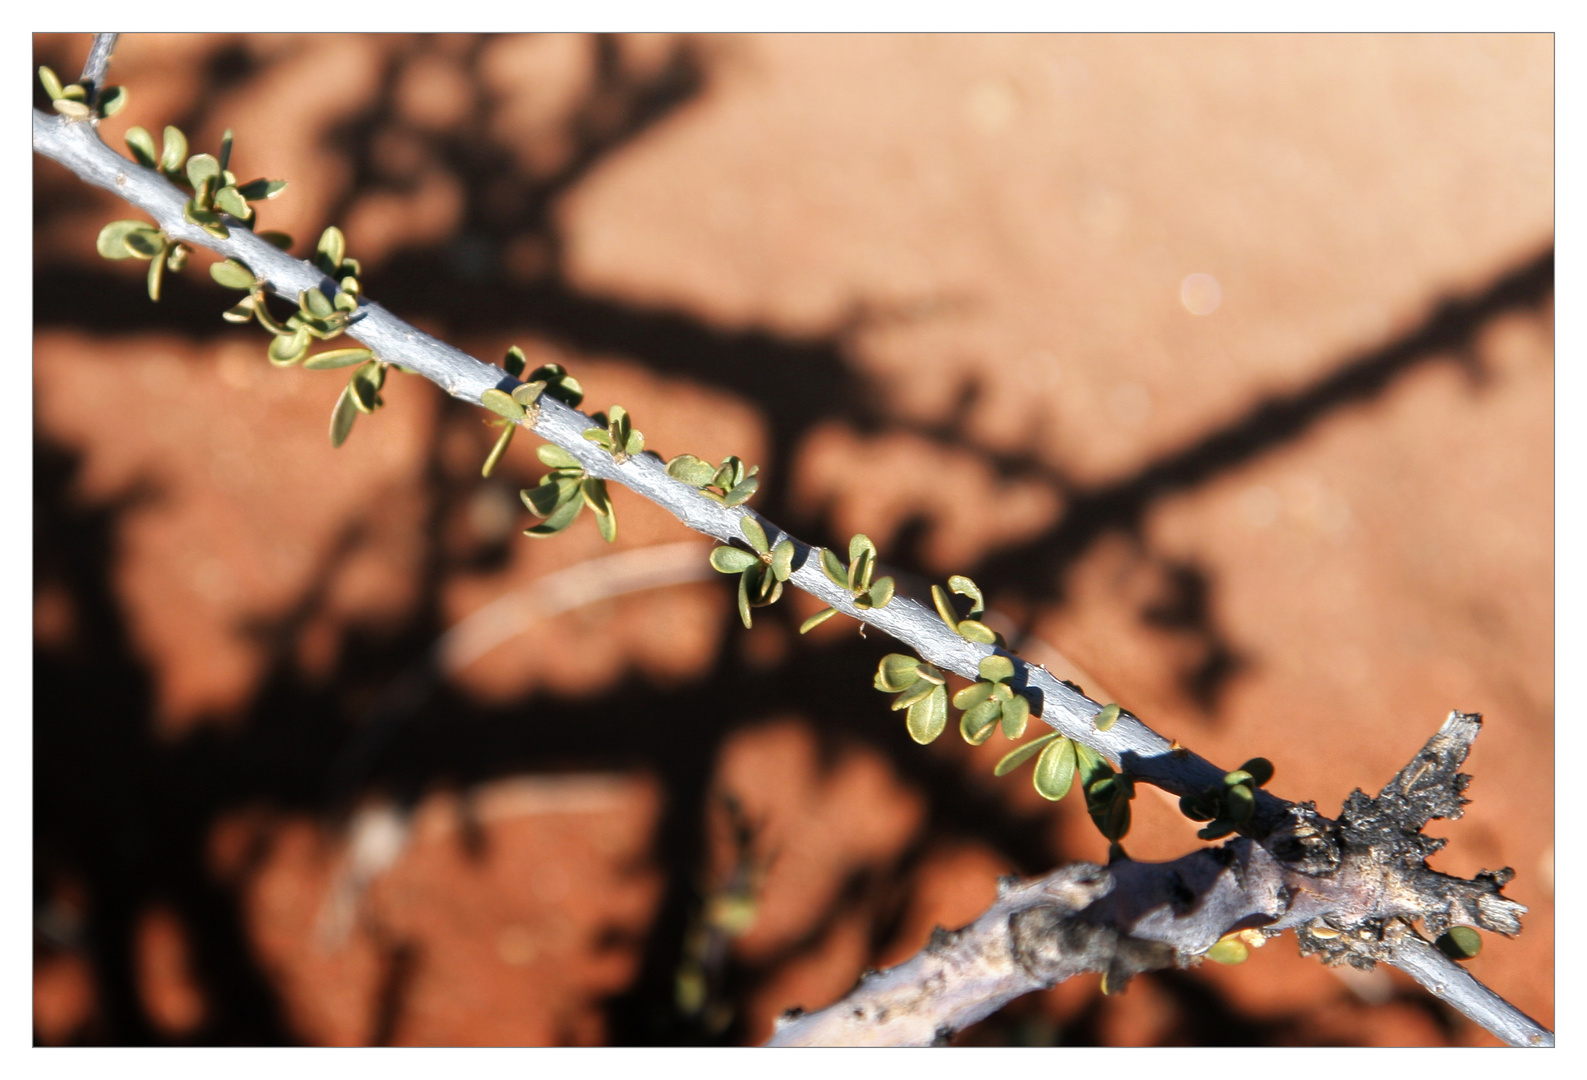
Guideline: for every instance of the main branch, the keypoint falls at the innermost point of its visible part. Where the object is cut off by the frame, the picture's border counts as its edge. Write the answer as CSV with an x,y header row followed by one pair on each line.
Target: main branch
x,y
1291,867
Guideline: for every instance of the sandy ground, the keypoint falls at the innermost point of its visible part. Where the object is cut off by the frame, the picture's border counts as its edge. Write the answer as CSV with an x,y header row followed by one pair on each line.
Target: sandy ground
x,y
1223,364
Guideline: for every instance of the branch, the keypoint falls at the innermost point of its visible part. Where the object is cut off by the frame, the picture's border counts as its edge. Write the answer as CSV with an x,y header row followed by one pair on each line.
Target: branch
x,y
1133,917
1364,874
93,77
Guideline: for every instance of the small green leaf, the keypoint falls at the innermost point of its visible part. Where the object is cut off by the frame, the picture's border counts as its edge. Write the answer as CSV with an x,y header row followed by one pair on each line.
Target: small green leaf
x,y
1260,770
607,523
342,417
542,500
596,496
501,403
560,519
314,302
176,257
928,717
145,243
881,593
965,587
996,668
978,632
727,477
112,238
1018,756
1228,950
207,220
240,312
226,140
834,569
1112,816
1107,717
741,493
743,597
1192,809
896,672
567,390
276,239
600,437
1092,765
232,274
1216,829
141,143
347,301
817,619
156,278
331,250
228,200
514,362
1016,713
634,444
732,560
503,441
1459,943
74,109
556,457
261,189
366,381
286,351
1237,777
973,695
338,358
112,100
1238,804
914,694
977,726
983,715
944,606
528,394
860,570
754,534
782,559
1055,769
202,169
174,152
690,470
51,81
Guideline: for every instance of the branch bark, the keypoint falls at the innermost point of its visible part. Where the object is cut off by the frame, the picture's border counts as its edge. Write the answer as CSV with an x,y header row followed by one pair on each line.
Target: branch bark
x,y
1363,876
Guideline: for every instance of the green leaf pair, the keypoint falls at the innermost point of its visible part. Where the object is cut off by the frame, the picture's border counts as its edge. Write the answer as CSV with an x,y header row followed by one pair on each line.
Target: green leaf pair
x,y
761,572
563,494
991,700
1229,804
921,688
552,380
855,577
970,628
729,483
130,239
72,100
361,395
619,438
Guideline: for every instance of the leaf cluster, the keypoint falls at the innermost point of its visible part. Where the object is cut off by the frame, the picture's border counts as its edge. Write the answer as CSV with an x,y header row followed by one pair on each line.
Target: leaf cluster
x,y
522,405
1230,803
761,571
728,483
563,494
921,688
72,101
855,576
969,628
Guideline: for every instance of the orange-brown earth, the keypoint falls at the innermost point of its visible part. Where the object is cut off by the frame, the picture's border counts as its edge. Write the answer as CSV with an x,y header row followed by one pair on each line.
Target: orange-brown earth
x,y
1224,365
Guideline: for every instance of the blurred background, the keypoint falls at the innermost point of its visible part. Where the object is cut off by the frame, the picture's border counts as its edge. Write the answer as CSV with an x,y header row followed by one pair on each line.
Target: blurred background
x,y
1224,365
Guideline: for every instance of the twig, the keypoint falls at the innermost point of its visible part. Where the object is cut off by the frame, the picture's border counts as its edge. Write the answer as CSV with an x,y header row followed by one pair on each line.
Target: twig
x,y
1291,834
93,77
